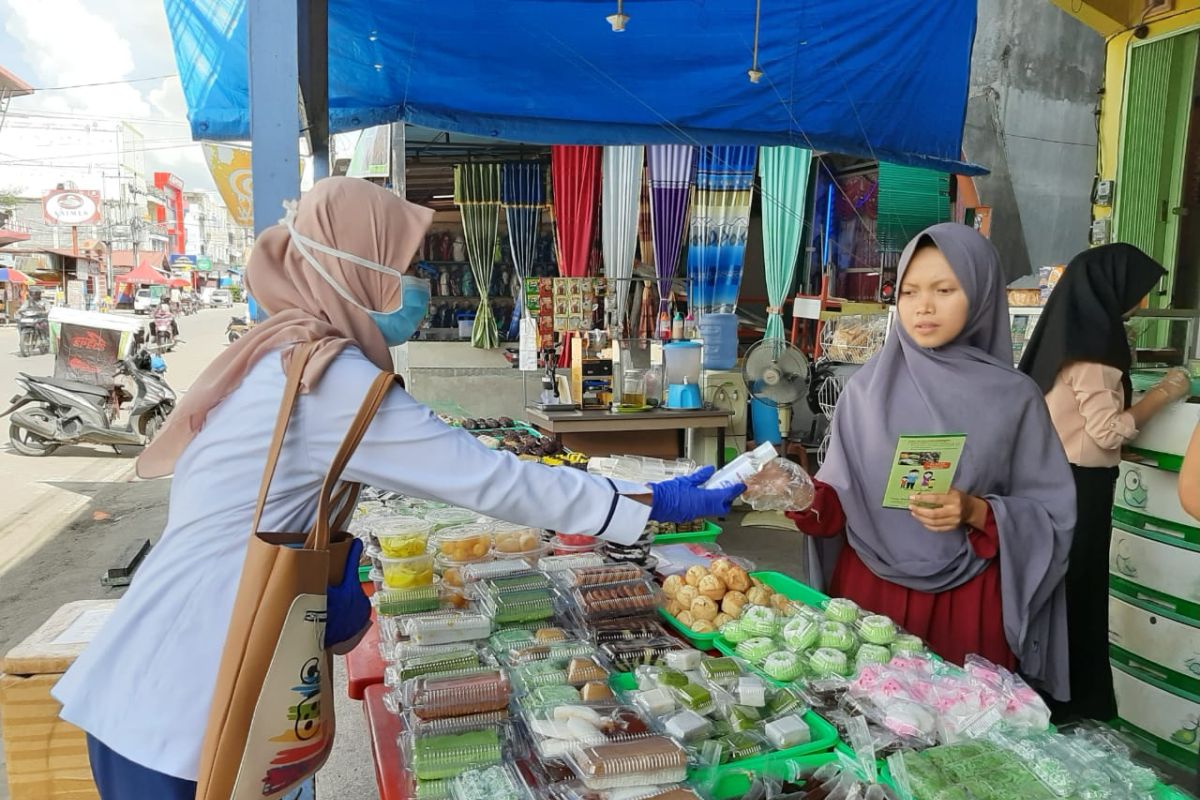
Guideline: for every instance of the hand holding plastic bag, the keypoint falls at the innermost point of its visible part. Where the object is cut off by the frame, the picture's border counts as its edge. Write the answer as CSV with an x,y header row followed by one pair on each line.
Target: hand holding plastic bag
x,y
781,485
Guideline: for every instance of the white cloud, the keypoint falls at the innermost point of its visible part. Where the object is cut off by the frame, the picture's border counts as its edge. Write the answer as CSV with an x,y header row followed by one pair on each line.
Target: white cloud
x,y
69,42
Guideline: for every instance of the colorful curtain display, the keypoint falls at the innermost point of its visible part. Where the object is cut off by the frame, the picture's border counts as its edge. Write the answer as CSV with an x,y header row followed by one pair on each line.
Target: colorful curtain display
x,y
523,195
669,168
575,171
783,177
620,199
477,194
720,222
645,225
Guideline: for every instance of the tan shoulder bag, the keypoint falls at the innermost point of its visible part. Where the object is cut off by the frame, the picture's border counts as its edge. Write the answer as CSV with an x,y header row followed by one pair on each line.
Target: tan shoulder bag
x,y
271,724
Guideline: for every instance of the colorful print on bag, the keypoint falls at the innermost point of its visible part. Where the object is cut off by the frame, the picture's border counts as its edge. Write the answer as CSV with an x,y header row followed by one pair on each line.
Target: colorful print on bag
x,y
288,732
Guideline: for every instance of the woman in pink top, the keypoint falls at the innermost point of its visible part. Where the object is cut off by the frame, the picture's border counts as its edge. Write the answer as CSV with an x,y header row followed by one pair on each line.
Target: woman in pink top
x,y
1080,356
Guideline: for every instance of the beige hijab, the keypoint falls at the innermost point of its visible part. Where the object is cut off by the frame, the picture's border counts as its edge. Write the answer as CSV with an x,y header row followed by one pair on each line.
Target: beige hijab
x,y
347,214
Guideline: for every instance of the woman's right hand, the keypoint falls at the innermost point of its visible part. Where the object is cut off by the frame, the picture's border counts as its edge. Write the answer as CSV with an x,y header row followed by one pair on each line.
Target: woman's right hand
x,y
1176,384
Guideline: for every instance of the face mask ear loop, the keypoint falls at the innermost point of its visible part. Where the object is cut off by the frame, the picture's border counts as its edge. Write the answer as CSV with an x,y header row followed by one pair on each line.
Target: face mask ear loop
x,y
297,242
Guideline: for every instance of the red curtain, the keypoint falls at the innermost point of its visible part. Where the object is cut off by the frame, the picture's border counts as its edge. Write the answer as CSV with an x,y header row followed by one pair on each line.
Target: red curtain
x,y
575,172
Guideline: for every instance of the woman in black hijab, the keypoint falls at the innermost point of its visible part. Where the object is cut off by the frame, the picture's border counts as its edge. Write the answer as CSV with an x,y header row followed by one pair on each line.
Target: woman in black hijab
x,y
1080,356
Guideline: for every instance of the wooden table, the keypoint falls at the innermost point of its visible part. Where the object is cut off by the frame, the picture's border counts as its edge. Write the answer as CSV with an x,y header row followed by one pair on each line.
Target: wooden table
x,y
601,432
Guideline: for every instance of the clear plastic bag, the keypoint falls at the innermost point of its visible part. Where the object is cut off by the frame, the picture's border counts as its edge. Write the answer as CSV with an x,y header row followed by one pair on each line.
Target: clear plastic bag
x,y
780,485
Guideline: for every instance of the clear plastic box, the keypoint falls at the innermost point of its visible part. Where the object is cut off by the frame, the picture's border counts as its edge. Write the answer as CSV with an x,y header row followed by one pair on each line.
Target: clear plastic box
x,y
447,628
573,671
442,756
642,762
606,601
400,536
463,544
516,540
557,730
483,570
449,517
490,783
528,653
628,655
465,657
532,605
605,573
400,602
457,695
407,573
556,563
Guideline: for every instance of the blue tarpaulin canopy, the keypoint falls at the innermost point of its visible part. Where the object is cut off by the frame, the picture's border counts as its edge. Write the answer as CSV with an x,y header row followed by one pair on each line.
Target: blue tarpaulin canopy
x,y
883,79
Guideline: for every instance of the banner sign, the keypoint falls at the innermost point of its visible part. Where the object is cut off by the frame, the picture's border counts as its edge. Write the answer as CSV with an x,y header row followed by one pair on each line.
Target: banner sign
x,y
86,354
71,207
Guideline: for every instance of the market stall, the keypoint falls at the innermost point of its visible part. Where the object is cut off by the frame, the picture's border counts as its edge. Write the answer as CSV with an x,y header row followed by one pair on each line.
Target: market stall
x,y
507,662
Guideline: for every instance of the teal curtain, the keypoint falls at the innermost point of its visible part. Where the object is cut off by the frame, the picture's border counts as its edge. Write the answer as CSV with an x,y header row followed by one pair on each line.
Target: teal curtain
x,y
783,181
477,193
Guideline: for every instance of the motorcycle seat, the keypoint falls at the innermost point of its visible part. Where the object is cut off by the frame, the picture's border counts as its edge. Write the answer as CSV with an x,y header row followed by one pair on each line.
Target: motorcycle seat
x,y
70,386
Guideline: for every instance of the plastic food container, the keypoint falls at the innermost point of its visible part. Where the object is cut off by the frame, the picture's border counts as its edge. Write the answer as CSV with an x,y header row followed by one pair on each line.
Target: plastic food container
x,y
641,762
483,570
628,598
449,517
555,731
400,602
516,540
626,656
606,573
628,629
466,657
457,695
572,671
407,573
557,563
440,756
425,727
575,539
400,537
560,549
490,783
534,651
510,607
464,543
447,629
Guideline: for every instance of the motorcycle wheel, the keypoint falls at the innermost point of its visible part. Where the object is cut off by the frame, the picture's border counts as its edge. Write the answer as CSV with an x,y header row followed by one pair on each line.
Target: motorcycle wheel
x,y
28,443
232,336
152,427
26,343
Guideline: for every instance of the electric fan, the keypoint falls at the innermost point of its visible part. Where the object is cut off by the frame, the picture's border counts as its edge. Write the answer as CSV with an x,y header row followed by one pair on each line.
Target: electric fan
x,y
775,372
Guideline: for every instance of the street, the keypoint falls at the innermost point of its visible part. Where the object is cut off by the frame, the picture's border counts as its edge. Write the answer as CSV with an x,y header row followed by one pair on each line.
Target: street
x,y
42,494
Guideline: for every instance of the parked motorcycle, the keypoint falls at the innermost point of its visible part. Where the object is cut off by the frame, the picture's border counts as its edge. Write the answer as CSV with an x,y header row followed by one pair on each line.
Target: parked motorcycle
x,y
236,329
54,412
33,331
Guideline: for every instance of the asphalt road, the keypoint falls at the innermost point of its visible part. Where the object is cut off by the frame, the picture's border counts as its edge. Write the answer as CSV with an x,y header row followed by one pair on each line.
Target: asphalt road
x,y
41,494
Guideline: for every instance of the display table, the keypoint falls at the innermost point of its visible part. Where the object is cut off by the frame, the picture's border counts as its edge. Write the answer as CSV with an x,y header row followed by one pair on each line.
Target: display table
x,y
384,729
364,665
657,433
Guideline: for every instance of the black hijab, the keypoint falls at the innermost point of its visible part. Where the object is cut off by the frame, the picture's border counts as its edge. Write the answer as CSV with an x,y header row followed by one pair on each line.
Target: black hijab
x,y
1083,321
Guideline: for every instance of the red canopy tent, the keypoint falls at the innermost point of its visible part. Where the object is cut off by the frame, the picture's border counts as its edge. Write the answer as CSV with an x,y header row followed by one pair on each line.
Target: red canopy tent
x,y
180,283
144,274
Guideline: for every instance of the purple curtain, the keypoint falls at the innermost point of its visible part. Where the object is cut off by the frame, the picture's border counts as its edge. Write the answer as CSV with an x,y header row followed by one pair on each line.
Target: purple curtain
x,y
670,168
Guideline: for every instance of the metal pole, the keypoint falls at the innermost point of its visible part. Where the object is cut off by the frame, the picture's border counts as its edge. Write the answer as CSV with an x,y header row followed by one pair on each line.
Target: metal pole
x,y
313,32
273,63
398,159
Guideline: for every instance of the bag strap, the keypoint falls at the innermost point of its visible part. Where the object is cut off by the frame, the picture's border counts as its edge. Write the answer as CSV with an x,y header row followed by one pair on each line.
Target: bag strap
x,y
318,538
346,500
291,390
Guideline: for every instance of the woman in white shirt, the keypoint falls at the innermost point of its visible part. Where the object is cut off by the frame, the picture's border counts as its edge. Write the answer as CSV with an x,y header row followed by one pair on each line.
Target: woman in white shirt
x,y
1080,356
334,273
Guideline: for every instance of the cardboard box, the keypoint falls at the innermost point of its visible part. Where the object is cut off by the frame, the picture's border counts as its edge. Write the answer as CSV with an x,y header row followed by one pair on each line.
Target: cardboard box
x,y
47,758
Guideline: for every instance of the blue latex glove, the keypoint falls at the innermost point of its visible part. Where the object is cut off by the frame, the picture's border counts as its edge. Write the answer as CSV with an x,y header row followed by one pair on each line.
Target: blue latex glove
x,y
349,611
682,500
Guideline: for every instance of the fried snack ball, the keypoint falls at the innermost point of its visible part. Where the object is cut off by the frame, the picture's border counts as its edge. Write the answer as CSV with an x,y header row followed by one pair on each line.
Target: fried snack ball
x,y
694,574
721,619
759,596
703,626
705,609
711,587
685,617
686,595
736,578
672,585
732,603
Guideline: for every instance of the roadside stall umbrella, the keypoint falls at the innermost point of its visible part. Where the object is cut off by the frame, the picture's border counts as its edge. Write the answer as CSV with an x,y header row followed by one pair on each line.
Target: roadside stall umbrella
x,y
145,274
12,275
180,283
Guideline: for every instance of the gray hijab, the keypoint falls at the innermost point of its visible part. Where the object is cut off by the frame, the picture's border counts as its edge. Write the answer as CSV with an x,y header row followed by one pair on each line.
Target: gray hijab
x,y
1013,459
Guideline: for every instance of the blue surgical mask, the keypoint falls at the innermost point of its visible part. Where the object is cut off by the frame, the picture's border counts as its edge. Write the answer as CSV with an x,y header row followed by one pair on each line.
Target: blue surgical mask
x,y
397,325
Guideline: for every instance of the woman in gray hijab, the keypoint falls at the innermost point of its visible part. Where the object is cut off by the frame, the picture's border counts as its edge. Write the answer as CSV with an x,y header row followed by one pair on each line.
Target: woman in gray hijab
x,y
977,568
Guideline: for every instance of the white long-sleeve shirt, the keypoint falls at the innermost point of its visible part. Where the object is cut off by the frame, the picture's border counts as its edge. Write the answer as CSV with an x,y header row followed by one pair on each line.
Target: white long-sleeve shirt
x,y
145,684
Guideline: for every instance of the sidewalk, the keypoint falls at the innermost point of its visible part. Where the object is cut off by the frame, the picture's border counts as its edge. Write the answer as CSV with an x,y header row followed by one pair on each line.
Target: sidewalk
x,y
67,565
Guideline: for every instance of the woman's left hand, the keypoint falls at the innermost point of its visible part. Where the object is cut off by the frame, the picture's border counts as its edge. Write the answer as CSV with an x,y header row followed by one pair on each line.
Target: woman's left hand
x,y
942,513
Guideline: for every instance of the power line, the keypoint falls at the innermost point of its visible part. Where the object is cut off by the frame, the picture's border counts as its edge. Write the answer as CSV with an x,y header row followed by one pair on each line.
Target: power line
x,y
105,83
75,116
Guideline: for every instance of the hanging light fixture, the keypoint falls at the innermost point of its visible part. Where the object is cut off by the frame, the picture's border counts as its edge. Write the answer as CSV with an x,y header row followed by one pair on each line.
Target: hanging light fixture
x,y
755,74
618,19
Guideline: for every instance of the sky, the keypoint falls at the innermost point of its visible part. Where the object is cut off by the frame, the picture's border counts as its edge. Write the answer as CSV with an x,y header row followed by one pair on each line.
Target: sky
x,y
52,43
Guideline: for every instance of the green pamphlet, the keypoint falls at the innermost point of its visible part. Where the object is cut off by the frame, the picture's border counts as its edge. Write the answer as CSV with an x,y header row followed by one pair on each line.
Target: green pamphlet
x,y
923,465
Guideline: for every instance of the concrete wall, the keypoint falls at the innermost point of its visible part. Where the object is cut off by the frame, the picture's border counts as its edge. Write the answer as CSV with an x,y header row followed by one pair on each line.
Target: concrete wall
x,y
1035,75
456,378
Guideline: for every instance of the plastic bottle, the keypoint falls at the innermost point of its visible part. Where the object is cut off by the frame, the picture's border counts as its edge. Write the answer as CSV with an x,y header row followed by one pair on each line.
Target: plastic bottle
x,y
677,327
689,327
664,326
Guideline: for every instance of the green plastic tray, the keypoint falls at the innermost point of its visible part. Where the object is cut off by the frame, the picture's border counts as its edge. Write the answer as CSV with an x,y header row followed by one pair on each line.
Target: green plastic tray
x,y
790,588
364,573
731,778
708,533
700,641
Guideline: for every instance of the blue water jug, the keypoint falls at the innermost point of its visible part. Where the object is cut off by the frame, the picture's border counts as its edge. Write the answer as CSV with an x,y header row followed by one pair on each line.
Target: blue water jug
x,y
719,332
